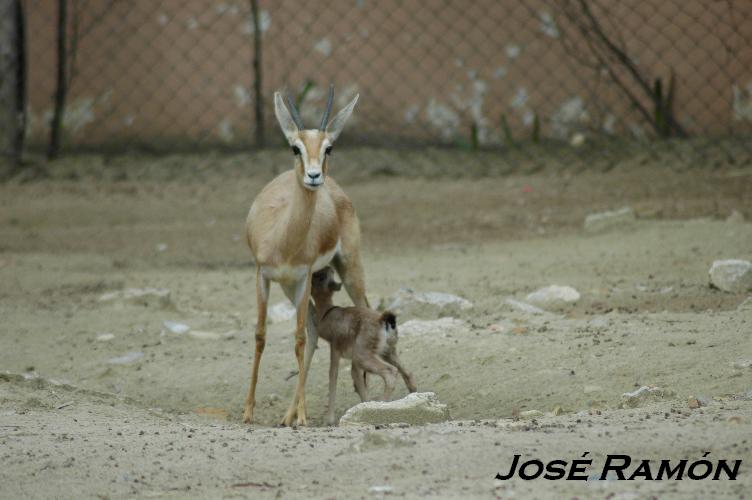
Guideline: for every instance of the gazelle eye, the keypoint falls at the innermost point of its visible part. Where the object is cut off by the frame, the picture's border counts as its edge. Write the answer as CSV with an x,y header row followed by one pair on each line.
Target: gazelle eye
x,y
296,151
328,150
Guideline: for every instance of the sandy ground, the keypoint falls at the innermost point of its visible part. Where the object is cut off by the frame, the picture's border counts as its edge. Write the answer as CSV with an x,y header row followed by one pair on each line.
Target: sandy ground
x,y
74,425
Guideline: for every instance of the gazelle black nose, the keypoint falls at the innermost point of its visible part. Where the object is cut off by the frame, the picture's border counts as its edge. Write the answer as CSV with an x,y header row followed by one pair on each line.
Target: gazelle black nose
x,y
314,176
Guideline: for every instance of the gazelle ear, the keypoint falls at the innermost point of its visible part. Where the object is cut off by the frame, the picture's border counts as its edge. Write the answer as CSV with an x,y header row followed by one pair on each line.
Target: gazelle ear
x,y
286,122
338,122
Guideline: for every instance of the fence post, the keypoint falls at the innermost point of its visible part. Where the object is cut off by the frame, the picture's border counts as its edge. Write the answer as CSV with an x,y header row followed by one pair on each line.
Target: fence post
x,y
62,80
257,75
11,86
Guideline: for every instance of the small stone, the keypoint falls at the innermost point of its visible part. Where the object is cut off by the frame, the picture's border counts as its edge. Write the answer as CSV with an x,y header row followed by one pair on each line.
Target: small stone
x,y
162,247
519,330
380,490
731,275
145,297
558,410
643,395
417,408
602,221
693,403
524,306
530,414
281,312
201,335
126,358
736,419
554,296
105,337
175,327
742,364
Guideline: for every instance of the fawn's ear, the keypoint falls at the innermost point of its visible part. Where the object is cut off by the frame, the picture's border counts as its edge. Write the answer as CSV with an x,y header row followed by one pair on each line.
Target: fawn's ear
x,y
334,286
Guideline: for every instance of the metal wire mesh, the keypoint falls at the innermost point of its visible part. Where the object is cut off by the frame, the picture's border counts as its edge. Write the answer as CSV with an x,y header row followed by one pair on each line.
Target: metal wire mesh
x,y
553,76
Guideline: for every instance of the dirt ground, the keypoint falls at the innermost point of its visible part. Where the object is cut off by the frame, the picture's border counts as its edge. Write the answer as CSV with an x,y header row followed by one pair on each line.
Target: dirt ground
x,y
75,425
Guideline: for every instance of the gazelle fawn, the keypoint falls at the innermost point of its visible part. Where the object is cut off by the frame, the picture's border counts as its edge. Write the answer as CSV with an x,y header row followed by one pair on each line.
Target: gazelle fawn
x,y
367,337
298,224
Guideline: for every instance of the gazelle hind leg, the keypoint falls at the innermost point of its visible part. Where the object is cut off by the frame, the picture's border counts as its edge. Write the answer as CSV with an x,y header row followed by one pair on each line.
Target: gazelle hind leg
x,y
262,297
350,271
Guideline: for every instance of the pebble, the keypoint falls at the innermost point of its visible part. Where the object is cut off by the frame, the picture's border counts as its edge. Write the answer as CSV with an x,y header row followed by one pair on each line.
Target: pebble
x,y
530,414
603,221
524,306
145,297
554,296
380,490
105,337
175,327
126,358
202,335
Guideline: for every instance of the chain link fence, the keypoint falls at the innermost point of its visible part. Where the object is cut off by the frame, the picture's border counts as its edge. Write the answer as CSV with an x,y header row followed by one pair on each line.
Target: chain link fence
x,y
551,80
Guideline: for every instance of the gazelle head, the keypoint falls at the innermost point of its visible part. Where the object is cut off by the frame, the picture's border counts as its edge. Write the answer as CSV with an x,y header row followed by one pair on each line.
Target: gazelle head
x,y
311,147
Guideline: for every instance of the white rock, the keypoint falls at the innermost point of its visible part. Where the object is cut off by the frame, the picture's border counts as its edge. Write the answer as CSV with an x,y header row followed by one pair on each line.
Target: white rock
x,y
428,304
281,312
128,357
732,275
175,327
381,490
642,395
742,364
554,296
201,335
417,408
146,297
430,326
530,414
606,220
524,306
105,337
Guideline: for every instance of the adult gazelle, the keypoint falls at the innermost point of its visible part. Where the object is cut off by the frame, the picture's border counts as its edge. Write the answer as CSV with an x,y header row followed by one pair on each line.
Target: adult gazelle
x,y
301,222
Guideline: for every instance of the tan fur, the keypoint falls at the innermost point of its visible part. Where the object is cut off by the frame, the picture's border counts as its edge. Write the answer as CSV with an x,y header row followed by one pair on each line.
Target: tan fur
x,y
360,334
289,227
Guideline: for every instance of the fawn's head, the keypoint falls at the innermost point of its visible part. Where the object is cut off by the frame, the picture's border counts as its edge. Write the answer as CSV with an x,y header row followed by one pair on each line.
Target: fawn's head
x,y
311,147
323,284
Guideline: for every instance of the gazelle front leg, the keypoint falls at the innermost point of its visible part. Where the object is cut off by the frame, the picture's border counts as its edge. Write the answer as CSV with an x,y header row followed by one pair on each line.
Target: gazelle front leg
x,y
301,299
262,299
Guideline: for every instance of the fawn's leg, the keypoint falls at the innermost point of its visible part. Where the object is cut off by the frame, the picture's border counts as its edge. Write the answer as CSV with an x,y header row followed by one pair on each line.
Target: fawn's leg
x,y
357,375
375,364
333,370
262,297
407,376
